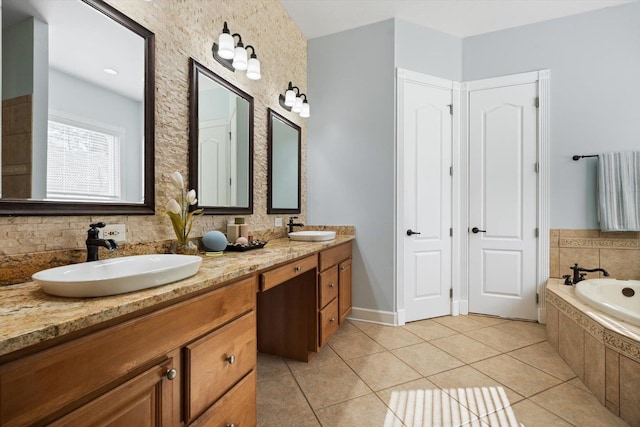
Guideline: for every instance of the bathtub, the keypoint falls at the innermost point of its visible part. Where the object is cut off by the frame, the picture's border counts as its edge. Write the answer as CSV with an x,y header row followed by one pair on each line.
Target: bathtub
x,y
618,298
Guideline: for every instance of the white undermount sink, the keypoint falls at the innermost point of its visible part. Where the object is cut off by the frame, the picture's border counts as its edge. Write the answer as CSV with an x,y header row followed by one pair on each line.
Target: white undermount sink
x,y
312,236
116,275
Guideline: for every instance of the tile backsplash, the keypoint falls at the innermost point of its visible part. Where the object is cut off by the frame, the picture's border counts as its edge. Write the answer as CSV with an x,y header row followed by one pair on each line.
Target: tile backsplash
x,y
616,252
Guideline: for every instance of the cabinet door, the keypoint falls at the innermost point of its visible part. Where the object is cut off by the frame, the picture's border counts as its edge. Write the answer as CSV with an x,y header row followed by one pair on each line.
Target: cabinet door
x,y
344,292
143,401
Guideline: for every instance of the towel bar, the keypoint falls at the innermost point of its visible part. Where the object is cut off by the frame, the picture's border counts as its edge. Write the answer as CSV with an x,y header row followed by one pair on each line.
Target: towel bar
x,y
576,158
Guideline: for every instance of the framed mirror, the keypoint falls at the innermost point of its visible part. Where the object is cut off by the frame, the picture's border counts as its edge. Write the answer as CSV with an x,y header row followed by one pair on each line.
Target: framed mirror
x,y
78,110
220,143
284,162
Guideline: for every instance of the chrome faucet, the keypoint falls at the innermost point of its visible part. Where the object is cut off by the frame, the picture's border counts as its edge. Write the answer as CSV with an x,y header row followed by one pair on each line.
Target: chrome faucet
x,y
292,224
578,276
93,243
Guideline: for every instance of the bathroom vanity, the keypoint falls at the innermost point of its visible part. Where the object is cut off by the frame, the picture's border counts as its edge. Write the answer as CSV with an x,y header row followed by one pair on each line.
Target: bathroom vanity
x,y
179,354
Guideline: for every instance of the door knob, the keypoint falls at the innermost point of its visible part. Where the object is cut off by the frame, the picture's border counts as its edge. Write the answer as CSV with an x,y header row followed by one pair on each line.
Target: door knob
x,y
476,230
171,374
410,232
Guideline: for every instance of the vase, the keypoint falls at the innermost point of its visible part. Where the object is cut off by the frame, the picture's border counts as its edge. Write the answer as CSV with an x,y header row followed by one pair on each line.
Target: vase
x,y
188,248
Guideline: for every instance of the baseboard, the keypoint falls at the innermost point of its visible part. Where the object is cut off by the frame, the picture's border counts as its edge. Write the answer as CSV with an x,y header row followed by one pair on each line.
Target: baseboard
x,y
455,308
463,306
375,316
542,315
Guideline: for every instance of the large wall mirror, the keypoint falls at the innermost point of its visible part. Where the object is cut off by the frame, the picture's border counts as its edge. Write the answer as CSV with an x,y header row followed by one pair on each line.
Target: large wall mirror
x,y
77,110
284,145
221,143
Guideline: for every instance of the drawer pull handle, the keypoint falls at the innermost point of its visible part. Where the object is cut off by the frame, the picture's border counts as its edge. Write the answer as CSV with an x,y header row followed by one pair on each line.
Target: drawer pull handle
x,y
171,374
332,285
333,319
231,359
231,425
297,269
343,268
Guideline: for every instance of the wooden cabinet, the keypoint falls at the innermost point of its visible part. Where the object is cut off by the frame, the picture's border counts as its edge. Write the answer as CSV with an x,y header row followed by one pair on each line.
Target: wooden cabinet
x,y
302,303
335,272
133,373
344,295
217,361
140,401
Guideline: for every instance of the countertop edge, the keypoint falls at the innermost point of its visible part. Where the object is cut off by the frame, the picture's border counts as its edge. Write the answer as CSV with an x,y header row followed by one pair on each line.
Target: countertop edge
x,y
29,317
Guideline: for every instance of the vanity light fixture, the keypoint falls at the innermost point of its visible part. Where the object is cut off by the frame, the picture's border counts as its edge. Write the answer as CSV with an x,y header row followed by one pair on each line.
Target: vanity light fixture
x,y
292,100
234,56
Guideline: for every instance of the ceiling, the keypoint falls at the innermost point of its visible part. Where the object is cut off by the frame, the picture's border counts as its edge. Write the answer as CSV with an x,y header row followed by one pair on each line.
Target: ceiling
x,y
461,18
83,42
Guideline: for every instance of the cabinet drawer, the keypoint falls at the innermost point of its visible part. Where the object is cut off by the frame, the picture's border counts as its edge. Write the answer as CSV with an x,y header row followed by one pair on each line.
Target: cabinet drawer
x,y
328,321
328,286
237,407
215,362
281,274
52,379
332,256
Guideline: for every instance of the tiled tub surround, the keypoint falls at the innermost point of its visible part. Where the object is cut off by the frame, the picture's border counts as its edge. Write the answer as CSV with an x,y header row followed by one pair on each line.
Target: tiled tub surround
x,y
616,252
28,316
603,351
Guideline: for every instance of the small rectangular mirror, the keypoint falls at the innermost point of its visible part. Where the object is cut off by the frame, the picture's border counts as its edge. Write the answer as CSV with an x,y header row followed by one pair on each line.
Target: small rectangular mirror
x,y
284,145
221,143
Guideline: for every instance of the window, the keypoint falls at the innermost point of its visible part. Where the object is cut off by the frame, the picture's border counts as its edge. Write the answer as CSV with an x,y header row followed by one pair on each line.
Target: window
x,y
76,149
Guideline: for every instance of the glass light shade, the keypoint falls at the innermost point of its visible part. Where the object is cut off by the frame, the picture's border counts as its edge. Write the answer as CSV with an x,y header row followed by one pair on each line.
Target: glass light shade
x,y
289,98
240,59
253,69
297,107
306,111
225,46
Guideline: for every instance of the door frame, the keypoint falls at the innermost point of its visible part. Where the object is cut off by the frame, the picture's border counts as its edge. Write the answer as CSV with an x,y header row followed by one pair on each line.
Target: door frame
x,y
403,75
461,239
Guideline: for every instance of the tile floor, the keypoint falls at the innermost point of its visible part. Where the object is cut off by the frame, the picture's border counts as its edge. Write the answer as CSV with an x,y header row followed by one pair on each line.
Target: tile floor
x,y
448,371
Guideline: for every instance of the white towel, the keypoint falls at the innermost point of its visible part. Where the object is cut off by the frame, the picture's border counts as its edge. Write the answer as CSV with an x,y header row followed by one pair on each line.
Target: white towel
x,y
619,191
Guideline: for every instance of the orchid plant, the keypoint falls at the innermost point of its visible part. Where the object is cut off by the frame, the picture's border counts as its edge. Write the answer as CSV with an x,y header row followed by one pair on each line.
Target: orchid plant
x,y
181,217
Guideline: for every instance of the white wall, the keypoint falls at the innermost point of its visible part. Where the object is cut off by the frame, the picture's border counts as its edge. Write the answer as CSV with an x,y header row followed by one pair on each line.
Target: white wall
x,y
428,51
350,150
351,138
594,60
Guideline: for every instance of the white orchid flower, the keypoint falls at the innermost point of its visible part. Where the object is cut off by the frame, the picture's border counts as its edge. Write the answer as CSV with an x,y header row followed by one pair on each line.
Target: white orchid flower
x,y
174,207
191,197
176,177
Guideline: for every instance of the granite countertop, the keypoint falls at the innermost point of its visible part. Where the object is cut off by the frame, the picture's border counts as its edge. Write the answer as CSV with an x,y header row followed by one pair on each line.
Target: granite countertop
x,y
28,316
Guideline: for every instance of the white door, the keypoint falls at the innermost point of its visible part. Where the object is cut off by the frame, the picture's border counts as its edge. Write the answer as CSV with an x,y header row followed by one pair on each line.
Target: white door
x,y
425,191
214,149
503,201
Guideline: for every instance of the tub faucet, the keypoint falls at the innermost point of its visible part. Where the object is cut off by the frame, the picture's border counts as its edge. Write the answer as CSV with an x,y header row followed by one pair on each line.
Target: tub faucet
x,y
578,276
93,243
292,224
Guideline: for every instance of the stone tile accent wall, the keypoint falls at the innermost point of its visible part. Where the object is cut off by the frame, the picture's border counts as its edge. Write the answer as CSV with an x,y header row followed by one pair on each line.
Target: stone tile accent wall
x,y
186,29
618,253
16,146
